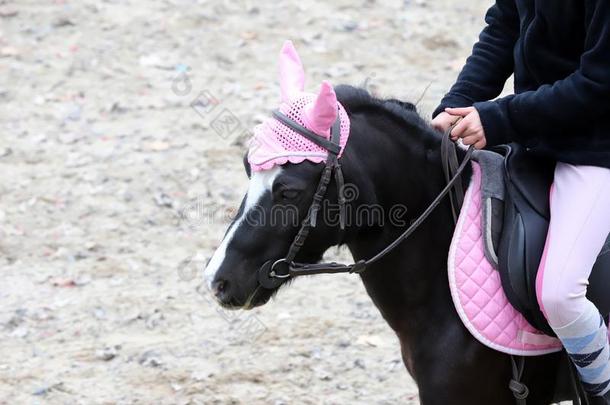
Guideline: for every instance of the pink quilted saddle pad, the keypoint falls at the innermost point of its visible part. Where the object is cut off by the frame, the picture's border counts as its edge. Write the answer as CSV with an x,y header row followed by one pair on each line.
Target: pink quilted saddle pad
x,y
477,290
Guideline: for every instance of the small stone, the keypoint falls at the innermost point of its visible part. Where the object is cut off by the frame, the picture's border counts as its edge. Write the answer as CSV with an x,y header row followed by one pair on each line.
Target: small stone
x,y
117,108
20,332
63,282
63,22
72,112
154,319
156,146
45,390
42,314
99,313
16,320
150,60
324,375
194,172
150,359
108,353
343,343
316,353
8,51
249,35
282,316
201,375
6,12
156,61
163,200
350,26
82,280
370,340
69,137
90,245
40,391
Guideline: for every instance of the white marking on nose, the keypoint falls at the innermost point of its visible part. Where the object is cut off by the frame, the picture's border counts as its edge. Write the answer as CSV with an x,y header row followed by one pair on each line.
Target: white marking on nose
x,y
260,182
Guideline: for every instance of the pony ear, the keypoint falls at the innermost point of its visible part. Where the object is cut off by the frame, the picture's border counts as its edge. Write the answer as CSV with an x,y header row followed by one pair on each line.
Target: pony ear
x,y
292,75
324,112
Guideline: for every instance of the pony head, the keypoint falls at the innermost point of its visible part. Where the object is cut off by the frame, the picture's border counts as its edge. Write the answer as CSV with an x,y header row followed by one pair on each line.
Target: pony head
x,y
284,172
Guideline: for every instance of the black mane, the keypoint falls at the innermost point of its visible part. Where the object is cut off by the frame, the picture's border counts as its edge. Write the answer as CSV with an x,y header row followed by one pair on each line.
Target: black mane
x,y
356,99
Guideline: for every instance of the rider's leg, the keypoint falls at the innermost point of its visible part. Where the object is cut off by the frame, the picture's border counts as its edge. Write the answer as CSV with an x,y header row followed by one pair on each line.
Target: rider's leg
x,y
580,223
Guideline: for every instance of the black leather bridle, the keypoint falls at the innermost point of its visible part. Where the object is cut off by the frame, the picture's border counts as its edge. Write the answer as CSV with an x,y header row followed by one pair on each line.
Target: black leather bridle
x,y
273,273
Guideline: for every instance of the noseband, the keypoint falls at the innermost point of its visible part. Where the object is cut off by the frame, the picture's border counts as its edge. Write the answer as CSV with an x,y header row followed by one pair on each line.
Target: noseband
x,y
273,273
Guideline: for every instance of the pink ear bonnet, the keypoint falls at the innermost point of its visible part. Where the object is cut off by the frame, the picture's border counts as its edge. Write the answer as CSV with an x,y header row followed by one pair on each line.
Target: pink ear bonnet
x,y
274,143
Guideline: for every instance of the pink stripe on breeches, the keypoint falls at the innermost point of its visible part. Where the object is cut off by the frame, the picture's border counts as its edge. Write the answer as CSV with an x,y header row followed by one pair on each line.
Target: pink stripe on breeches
x,y
580,224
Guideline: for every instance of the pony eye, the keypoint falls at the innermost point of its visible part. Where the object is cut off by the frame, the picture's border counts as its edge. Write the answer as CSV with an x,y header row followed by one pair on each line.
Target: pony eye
x,y
289,194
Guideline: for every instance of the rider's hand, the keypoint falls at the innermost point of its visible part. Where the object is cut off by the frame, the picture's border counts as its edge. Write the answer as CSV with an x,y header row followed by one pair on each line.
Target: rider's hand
x,y
470,129
443,121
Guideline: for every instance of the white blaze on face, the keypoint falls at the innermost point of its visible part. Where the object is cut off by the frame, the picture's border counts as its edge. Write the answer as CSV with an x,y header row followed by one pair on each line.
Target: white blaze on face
x,y
260,182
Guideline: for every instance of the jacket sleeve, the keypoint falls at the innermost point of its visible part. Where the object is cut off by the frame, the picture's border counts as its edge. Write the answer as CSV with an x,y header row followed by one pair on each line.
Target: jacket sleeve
x,y
563,107
491,63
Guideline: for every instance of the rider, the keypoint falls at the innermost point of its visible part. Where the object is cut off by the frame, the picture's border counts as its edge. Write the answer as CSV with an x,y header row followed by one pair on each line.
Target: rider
x,y
559,53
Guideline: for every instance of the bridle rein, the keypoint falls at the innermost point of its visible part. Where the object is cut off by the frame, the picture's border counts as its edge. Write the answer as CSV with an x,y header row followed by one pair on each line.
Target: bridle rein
x,y
273,273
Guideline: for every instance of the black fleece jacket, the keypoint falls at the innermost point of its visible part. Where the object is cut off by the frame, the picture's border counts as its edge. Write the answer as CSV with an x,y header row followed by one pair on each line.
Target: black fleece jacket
x,y
559,52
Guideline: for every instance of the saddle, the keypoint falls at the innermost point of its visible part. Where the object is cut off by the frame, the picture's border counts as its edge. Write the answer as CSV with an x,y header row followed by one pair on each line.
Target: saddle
x,y
494,259
522,237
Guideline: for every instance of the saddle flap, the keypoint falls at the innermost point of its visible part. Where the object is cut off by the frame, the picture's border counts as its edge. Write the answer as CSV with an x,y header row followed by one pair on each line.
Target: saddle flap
x,y
526,222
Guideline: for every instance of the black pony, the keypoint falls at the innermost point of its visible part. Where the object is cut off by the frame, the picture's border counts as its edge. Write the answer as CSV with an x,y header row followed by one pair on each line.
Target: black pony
x,y
393,159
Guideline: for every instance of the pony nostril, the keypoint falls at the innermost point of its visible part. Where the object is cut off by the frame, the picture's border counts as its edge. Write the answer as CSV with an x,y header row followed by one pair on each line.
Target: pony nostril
x,y
219,287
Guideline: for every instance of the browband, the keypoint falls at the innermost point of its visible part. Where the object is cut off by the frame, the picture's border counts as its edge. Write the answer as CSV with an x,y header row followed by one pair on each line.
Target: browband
x,y
332,146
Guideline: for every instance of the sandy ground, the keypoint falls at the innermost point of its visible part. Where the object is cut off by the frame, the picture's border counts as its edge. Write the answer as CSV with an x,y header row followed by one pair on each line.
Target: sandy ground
x,y
117,182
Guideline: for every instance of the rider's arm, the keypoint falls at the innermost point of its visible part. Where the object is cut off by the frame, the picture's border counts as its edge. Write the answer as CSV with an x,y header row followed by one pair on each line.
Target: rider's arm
x,y
568,104
491,63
